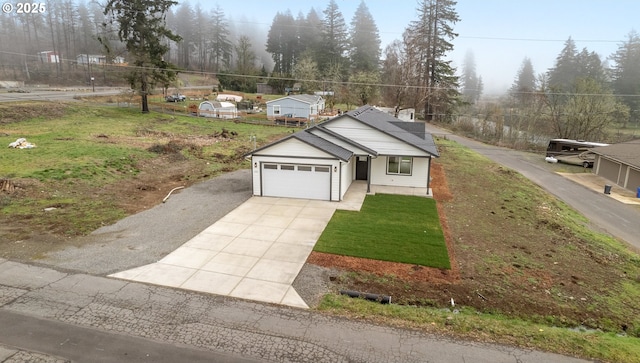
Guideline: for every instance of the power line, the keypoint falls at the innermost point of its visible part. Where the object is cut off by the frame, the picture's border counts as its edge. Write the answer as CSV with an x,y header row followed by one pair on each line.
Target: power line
x,y
339,83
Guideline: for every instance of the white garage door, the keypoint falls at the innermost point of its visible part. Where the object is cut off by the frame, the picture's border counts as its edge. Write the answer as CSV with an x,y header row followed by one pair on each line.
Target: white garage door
x,y
296,181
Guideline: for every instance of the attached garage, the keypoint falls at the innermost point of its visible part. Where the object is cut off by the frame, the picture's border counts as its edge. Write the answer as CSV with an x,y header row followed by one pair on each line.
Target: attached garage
x,y
296,181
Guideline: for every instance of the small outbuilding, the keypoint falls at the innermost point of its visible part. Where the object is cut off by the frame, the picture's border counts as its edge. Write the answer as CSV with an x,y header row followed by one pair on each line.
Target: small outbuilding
x,y
296,106
224,110
619,163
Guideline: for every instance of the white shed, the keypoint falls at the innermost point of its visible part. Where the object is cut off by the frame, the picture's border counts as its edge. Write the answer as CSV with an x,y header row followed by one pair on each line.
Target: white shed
x,y
217,109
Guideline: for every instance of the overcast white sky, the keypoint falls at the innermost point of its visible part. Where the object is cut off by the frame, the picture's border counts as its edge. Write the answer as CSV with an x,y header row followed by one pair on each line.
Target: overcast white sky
x,y
500,33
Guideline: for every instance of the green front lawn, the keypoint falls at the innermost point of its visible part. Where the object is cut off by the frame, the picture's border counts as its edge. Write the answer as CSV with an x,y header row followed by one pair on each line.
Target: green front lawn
x,y
394,228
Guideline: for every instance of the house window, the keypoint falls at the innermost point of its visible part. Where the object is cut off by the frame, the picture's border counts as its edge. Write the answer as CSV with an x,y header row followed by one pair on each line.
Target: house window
x,y
276,109
286,167
400,165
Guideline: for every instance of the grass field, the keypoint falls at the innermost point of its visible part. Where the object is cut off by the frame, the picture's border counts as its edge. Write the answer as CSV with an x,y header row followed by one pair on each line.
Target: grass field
x,y
394,228
95,164
533,273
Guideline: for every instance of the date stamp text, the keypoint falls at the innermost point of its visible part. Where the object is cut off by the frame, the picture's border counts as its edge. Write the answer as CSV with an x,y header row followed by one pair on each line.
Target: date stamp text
x,y
24,8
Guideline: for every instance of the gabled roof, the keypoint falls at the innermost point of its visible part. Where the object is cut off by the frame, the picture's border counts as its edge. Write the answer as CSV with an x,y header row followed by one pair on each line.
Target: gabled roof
x,y
412,135
345,139
389,125
624,152
315,141
310,99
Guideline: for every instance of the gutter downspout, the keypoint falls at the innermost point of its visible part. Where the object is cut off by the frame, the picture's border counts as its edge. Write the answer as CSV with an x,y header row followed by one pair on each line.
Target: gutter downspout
x,y
368,174
429,175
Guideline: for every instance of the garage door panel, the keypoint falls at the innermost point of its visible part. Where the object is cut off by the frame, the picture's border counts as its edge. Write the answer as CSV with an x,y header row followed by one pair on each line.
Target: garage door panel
x,y
296,181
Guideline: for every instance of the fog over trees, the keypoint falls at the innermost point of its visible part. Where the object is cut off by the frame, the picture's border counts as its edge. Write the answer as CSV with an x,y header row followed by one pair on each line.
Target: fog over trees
x,y
320,50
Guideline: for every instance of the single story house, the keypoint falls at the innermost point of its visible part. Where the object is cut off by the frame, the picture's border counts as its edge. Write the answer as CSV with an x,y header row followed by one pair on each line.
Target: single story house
x,y
304,106
217,109
619,163
97,59
49,56
322,161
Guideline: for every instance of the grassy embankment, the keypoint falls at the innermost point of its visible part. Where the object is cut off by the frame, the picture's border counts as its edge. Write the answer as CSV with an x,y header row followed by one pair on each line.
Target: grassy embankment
x,y
533,273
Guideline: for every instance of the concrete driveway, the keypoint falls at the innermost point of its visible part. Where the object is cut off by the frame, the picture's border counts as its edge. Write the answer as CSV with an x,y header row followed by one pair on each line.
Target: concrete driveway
x,y
254,252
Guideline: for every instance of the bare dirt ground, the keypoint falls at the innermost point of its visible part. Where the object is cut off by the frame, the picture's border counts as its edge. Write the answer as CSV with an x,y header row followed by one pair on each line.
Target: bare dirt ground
x,y
498,269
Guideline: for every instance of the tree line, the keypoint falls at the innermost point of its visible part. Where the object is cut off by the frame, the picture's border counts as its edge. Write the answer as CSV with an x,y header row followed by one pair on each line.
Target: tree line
x,y
319,51
580,97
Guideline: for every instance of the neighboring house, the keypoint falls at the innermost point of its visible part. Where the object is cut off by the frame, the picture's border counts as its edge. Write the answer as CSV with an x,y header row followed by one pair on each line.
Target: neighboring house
x,y
304,106
264,89
216,109
97,59
405,114
322,161
619,163
49,56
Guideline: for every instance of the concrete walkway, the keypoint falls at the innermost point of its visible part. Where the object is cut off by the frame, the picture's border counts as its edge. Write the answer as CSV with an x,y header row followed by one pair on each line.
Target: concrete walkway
x,y
256,251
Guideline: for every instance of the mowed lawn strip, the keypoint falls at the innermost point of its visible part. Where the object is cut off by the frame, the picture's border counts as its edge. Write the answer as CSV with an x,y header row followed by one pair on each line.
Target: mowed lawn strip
x,y
395,228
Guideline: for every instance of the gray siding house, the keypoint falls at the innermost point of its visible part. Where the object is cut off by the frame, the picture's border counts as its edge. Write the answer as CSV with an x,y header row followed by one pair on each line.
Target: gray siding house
x,y
305,106
619,163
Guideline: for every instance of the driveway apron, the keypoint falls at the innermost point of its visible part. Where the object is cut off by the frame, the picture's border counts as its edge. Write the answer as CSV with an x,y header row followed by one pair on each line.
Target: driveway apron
x,y
254,252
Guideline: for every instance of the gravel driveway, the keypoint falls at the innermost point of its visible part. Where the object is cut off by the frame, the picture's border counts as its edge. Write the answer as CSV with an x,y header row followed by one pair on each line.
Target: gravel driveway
x,y
148,236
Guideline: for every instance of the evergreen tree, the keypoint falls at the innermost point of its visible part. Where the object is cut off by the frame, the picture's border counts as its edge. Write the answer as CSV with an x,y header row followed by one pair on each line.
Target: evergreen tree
x,y
334,41
282,43
219,46
524,86
471,83
364,41
563,75
310,34
183,24
626,74
427,42
142,29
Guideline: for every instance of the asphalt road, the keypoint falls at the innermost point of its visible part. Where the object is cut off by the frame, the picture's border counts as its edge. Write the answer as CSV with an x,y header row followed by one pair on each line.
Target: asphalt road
x,y
82,344
86,318
605,214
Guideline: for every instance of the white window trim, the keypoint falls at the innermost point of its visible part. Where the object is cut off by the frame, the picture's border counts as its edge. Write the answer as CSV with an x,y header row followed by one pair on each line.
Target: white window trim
x,y
410,161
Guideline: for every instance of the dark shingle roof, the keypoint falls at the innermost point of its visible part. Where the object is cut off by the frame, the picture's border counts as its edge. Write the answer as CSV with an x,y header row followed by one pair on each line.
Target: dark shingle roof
x,y
310,99
312,140
324,145
413,134
388,124
624,152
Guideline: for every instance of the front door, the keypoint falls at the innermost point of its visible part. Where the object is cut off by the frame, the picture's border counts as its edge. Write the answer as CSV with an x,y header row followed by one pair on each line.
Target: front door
x,y
362,168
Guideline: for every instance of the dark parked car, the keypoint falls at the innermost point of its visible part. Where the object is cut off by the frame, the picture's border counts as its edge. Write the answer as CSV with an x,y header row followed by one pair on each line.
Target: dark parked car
x,y
176,98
